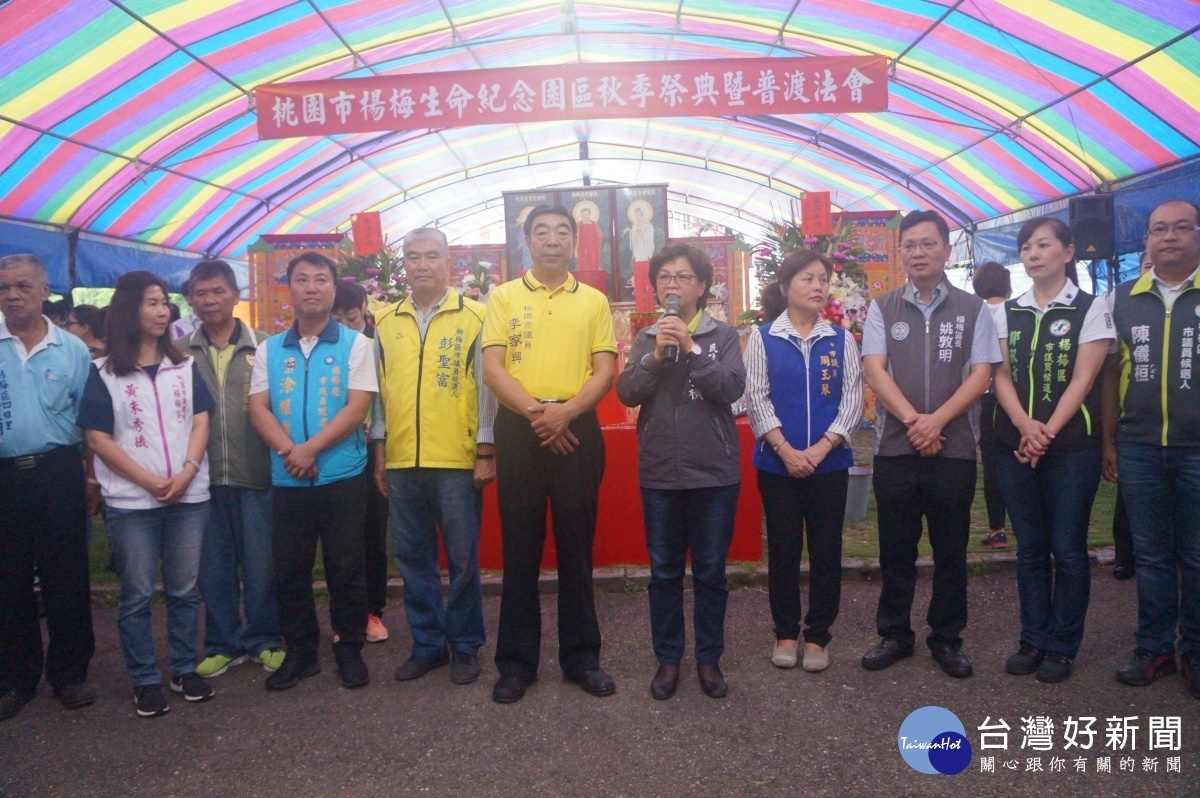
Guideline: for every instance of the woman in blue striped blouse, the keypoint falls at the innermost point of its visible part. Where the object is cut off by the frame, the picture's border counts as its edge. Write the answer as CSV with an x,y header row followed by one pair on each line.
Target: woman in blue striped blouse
x,y
804,393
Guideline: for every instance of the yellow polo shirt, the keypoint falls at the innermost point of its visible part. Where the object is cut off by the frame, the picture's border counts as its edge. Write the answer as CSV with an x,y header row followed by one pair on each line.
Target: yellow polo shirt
x,y
549,336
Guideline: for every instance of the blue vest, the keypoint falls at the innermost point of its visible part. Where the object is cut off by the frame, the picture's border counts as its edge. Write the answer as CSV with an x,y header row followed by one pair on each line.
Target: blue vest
x,y
306,392
805,396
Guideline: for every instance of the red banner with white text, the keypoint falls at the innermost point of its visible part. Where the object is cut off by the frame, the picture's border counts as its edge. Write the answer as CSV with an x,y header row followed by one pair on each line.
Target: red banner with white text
x,y
640,89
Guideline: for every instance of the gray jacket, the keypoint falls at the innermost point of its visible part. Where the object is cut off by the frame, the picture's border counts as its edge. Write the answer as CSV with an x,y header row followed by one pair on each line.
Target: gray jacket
x,y
237,456
686,433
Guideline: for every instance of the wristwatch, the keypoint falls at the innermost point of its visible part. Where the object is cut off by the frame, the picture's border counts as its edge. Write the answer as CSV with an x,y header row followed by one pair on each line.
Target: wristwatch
x,y
695,350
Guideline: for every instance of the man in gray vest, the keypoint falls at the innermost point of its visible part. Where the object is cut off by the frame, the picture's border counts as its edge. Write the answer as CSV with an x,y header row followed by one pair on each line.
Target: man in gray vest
x,y
928,353
237,576
1152,442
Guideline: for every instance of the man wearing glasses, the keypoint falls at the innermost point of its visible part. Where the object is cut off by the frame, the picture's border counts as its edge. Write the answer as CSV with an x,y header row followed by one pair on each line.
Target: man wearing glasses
x,y
1154,443
928,352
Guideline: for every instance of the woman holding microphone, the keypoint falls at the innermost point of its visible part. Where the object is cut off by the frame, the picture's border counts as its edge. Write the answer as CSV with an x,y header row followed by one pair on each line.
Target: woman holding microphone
x,y
685,371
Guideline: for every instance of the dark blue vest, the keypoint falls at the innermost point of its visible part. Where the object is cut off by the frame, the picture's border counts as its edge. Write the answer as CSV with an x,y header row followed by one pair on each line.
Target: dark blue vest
x,y
805,396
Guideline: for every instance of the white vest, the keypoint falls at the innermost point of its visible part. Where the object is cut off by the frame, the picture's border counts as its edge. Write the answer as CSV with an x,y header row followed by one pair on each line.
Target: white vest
x,y
152,421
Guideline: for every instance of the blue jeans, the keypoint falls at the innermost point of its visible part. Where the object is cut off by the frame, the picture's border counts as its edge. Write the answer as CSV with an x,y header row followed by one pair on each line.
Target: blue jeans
x,y
699,521
237,541
1161,486
170,536
1050,507
420,501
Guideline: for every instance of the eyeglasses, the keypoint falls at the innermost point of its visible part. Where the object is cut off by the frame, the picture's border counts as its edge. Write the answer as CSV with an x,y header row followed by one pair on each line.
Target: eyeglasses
x,y
681,279
22,287
1180,228
909,247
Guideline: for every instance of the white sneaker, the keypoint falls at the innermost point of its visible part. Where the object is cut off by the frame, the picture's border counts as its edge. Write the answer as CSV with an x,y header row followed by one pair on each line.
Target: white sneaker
x,y
784,656
816,659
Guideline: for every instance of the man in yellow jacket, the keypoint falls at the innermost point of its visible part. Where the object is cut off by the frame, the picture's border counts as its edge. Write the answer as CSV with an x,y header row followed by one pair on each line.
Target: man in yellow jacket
x,y
432,431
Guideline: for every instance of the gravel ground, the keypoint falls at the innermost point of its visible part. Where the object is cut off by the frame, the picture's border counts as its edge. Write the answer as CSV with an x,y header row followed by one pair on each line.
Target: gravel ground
x,y
778,732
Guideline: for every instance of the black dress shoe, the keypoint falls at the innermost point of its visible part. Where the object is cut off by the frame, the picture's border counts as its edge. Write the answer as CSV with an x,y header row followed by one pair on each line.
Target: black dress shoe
x,y
416,667
952,660
885,655
464,668
664,683
352,670
294,668
596,682
510,689
11,702
1123,572
75,696
712,681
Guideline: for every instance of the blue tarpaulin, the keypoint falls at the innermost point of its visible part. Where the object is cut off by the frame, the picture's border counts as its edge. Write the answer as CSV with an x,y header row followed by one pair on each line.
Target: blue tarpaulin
x,y
99,262
1133,200
50,245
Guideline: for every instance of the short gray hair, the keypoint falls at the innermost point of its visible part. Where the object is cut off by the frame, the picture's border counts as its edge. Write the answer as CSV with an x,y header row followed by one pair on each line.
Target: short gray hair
x,y
24,259
428,232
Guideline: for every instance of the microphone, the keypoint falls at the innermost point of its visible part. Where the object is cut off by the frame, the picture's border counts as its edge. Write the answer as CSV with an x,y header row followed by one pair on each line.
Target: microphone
x,y
672,308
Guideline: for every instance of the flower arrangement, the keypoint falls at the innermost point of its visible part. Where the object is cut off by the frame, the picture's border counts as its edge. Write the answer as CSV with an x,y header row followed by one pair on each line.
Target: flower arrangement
x,y
848,302
477,283
381,274
848,296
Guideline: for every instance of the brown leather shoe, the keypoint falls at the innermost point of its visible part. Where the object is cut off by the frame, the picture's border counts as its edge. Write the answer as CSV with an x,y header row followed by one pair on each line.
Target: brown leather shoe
x,y
665,682
712,681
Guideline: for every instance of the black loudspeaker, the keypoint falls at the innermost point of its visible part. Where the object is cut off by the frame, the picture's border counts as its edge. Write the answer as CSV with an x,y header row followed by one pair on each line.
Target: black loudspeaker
x,y
1092,227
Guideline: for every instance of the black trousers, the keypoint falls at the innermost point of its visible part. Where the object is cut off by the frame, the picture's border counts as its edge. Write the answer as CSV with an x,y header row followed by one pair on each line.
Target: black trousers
x,y
527,475
43,526
332,514
816,506
1122,533
375,539
987,456
940,490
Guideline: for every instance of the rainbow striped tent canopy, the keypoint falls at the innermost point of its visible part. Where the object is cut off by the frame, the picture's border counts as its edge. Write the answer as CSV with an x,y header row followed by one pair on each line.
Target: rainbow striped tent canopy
x,y
135,119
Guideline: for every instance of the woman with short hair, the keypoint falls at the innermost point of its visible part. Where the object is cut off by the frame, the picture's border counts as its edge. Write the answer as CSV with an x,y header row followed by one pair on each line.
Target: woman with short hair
x,y
804,396
86,322
685,372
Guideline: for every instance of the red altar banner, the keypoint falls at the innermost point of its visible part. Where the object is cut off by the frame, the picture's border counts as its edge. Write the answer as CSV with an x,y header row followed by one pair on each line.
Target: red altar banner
x,y
815,216
637,89
368,233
